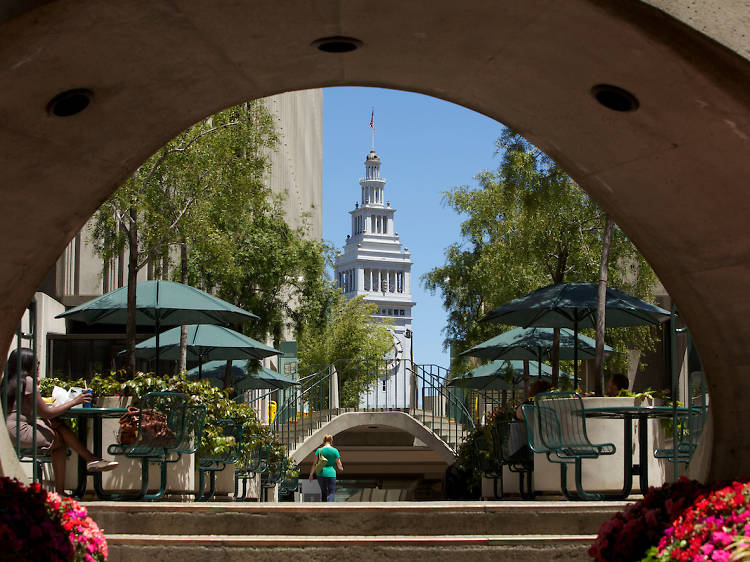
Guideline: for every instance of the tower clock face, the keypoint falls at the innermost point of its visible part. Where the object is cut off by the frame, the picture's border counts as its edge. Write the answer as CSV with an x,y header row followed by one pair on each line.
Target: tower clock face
x,y
395,354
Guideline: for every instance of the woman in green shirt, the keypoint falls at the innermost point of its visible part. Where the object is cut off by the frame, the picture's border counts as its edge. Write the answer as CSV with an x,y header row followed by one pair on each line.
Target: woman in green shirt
x,y
327,475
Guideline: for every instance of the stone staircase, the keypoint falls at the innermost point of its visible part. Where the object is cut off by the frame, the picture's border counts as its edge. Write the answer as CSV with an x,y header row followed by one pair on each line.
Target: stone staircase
x,y
523,531
295,432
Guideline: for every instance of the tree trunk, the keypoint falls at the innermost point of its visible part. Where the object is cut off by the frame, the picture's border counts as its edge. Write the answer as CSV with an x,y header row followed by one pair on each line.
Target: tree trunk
x,y
132,287
183,329
601,310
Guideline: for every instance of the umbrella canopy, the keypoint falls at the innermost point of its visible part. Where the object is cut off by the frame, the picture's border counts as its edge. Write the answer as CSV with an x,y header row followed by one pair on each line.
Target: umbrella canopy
x,y
566,305
533,343
162,303
573,305
260,378
205,342
492,376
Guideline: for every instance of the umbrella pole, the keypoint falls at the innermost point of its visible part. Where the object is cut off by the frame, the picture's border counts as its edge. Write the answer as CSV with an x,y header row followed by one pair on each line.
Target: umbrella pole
x,y
156,368
539,362
200,367
575,354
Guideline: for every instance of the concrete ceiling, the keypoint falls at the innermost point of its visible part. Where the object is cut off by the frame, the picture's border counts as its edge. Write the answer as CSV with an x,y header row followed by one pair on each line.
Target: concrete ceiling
x,y
673,173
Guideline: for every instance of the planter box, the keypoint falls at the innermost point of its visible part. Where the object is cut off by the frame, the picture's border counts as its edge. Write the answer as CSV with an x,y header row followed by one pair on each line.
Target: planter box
x,y
114,401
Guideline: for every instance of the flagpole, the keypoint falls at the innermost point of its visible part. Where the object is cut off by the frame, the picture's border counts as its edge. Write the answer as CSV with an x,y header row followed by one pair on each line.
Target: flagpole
x,y
372,128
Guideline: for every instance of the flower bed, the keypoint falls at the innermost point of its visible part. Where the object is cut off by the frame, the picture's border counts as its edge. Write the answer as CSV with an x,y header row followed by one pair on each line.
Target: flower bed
x,y
630,533
684,520
40,525
712,528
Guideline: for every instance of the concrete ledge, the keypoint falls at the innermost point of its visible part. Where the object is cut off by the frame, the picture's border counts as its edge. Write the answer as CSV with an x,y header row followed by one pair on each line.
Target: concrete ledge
x,y
364,519
361,540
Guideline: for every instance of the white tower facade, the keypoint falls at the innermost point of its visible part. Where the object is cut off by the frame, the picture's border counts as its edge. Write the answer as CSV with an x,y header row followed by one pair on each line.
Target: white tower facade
x,y
374,263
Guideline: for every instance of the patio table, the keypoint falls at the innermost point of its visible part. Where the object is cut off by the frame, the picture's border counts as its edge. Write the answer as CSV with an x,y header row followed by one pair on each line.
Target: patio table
x,y
642,414
96,415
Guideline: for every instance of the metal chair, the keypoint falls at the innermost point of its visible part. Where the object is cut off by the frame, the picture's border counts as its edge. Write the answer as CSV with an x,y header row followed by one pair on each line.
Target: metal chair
x,y
231,431
519,461
290,482
256,463
276,474
173,405
690,427
493,453
562,431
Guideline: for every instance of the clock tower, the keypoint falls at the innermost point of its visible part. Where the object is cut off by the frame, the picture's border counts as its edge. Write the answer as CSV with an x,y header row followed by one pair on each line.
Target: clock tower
x,y
374,263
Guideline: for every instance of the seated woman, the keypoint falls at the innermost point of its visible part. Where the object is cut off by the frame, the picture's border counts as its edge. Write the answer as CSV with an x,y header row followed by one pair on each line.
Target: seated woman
x,y
52,435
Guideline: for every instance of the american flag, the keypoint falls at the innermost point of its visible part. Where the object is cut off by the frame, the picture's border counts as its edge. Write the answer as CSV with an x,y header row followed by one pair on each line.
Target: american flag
x,y
372,119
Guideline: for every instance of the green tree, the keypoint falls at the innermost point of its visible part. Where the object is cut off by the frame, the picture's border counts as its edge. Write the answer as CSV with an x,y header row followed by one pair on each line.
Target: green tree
x,y
190,192
346,335
528,225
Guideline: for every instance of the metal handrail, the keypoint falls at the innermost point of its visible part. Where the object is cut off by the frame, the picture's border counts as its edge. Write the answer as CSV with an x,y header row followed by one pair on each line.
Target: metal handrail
x,y
382,385
23,453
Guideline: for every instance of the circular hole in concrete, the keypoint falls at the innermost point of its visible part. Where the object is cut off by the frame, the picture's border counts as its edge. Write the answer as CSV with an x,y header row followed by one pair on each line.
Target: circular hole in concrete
x,y
69,102
337,44
615,98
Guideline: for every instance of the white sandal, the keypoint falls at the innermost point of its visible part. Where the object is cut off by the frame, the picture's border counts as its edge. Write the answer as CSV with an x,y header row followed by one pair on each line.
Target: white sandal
x,y
101,465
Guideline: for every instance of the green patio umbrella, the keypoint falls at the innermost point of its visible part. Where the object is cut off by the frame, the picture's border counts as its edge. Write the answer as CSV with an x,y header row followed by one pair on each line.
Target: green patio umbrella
x,y
259,378
534,344
492,376
573,305
205,342
159,303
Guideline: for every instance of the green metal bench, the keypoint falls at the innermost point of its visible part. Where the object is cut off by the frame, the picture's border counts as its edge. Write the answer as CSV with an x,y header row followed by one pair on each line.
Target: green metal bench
x,y
290,482
232,431
257,463
491,454
38,460
174,406
276,474
690,427
562,433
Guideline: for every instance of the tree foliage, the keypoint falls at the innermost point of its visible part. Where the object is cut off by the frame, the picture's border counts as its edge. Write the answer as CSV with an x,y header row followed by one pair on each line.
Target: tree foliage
x,y
347,336
528,225
200,211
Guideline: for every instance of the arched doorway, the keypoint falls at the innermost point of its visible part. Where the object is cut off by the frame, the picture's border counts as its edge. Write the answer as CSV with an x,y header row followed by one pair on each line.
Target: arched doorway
x,y
672,173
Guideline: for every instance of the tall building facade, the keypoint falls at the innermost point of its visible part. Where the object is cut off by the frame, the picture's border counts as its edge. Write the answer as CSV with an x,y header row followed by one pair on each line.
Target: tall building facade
x,y
374,263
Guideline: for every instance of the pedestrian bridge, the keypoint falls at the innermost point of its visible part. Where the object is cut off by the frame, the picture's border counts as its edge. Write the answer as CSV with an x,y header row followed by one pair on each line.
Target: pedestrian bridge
x,y
389,419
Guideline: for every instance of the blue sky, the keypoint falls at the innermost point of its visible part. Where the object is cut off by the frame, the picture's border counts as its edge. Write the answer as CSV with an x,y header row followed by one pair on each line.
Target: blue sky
x,y
426,146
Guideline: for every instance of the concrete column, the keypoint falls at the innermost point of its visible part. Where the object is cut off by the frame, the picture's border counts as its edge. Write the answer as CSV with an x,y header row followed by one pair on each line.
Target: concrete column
x,y
333,391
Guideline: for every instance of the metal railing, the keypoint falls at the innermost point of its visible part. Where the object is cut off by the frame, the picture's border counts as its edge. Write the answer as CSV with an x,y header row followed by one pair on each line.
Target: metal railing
x,y
25,454
380,385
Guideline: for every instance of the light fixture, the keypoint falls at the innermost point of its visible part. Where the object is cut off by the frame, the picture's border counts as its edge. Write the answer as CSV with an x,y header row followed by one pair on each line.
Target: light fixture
x,y
615,98
70,102
337,44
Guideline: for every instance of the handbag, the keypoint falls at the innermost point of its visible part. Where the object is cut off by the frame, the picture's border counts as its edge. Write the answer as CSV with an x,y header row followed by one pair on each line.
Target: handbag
x,y
155,430
320,465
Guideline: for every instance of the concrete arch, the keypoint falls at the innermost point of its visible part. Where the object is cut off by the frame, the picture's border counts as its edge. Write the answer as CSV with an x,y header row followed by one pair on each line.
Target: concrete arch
x,y
396,420
673,174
